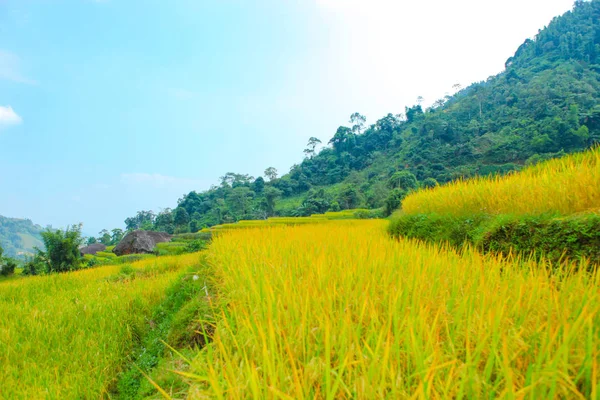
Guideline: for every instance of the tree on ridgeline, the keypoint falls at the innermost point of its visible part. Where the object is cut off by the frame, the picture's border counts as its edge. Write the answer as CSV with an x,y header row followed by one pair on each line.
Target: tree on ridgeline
x,y
358,123
271,173
312,144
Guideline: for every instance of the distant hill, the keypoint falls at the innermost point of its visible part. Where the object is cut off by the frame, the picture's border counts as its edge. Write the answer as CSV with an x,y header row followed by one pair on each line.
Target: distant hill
x,y
544,104
18,237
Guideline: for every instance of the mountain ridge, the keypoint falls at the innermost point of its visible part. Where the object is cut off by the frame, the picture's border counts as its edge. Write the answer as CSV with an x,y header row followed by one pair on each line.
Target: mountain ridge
x,y
19,236
545,103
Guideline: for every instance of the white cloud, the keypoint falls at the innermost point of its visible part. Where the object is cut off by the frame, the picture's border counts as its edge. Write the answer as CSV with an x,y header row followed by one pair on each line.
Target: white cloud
x,y
159,181
10,68
9,117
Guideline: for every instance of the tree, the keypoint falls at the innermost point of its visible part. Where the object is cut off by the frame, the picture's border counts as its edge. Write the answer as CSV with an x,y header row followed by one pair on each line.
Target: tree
x,y
117,235
62,249
142,220
239,202
181,217
234,180
104,237
348,197
413,113
312,144
358,123
259,185
429,183
271,195
271,173
164,221
394,201
404,180
91,240
342,139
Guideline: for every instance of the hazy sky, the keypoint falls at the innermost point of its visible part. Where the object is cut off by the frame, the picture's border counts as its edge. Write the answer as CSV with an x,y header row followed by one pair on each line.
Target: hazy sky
x,y
113,106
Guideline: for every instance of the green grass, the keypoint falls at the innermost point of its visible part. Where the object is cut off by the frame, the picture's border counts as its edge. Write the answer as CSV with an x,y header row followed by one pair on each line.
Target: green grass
x,y
174,322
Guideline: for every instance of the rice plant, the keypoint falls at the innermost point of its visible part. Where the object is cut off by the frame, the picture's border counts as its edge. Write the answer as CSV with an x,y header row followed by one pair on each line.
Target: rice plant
x,y
565,186
66,336
340,310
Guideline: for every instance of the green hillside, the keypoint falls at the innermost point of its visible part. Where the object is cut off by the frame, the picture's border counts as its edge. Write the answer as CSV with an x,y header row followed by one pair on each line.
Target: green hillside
x,y
544,104
18,237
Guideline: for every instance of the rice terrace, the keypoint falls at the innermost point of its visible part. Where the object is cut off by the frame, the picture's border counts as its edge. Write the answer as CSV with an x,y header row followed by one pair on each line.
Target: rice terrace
x,y
446,252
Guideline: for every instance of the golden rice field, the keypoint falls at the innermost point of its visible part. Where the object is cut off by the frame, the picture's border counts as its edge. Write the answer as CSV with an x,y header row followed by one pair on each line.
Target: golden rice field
x,y
566,185
340,310
289,221
66,336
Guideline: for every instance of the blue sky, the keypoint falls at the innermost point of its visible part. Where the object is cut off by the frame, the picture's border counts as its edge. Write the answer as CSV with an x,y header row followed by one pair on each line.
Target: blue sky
x,y
113,106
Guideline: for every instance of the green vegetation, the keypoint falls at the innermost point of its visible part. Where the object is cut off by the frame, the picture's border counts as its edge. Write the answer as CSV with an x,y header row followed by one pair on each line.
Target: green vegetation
x,y
61,254
552,237
107,238
7,265
302,292
175,329
69,335
546,103
550,210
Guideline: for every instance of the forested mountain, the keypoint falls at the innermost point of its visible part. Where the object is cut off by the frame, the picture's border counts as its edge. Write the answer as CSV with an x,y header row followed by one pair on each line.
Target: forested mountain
x,y
18,237
545,103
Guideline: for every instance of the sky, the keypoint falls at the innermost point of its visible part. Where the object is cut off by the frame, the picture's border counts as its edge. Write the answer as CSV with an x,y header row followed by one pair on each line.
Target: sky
x,y
108,107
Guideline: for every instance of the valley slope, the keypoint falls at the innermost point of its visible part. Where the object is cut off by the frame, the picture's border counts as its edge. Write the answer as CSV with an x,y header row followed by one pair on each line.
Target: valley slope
x,y
544,104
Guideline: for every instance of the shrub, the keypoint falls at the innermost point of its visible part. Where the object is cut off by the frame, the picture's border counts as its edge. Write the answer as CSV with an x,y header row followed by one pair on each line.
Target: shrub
x,y
368,214
429,183
393,201
34,266
62,249
195,245
334,206
553,237
556,238
7,267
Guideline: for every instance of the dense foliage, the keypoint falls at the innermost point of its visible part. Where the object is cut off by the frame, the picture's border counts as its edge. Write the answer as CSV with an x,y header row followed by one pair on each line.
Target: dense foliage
x,y
107,238
7,265
61,252
544,104
553,238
